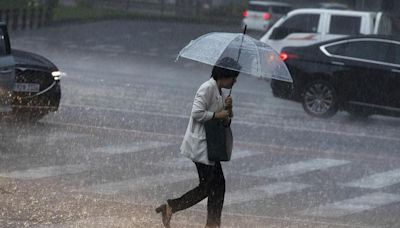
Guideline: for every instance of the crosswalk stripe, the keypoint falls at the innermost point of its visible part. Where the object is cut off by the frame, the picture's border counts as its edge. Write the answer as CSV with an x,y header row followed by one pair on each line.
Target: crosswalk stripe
x,y
237,154
298,168
352,206
131,148
50,139
179,163
141,183
183,162
48,171
378,180
261,192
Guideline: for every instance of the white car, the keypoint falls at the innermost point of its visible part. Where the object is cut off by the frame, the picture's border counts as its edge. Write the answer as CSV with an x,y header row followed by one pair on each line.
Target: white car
x,y
302,27
262,15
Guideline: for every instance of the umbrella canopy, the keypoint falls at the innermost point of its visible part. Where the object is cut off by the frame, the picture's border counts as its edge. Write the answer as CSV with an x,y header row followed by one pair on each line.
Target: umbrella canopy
x,y
255,58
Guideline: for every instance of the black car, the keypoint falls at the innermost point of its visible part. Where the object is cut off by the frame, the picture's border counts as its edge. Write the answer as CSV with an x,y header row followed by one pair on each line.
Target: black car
x,y
358,74
37,88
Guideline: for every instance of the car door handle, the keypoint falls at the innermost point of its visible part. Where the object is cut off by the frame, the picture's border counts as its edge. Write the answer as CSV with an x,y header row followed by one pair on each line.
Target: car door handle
x,y
6,71
395,71
337,63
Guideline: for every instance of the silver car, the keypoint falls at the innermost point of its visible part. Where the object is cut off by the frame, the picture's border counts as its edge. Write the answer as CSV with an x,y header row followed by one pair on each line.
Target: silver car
x,y
262,15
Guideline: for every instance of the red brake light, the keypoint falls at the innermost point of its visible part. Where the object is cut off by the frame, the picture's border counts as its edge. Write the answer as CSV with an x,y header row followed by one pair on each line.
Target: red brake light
x,y
266,16
284,56
246,13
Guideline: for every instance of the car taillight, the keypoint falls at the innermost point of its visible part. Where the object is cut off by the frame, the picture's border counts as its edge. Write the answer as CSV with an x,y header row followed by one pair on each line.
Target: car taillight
x,y
246,13
285,56
266,16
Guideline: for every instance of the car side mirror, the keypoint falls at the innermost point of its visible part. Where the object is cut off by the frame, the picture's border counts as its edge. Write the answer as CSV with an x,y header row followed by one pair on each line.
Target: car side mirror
x,y
279,33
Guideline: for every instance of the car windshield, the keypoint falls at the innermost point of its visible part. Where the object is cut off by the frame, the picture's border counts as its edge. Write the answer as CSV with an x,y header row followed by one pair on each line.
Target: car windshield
x,y
199,113
260,8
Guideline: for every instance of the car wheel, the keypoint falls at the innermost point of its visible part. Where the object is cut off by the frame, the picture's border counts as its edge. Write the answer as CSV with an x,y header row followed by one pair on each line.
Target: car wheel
x,y
320,99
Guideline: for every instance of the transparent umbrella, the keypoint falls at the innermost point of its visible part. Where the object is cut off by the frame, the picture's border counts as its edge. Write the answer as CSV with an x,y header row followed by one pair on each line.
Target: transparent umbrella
x,y
256,58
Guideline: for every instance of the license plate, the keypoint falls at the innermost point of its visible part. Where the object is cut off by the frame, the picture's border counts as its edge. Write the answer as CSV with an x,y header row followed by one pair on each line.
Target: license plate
x,y
26,87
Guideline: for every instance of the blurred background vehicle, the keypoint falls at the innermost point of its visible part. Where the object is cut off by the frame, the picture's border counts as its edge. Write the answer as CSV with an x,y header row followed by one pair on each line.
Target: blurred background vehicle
x,y
344,74
333,5
37,89
262,15
6,70
303,27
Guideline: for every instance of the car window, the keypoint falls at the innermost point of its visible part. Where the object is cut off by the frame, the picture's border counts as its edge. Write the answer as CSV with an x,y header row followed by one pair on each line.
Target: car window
x,y
337,49
302,23
280,9
395,51
348,25
260,8
362,50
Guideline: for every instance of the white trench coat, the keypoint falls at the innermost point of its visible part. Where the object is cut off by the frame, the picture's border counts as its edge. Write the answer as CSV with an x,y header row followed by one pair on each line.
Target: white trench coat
x,y
207,101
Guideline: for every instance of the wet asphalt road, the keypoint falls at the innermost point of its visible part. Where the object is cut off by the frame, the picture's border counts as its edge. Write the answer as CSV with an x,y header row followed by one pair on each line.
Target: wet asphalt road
x,y
123,113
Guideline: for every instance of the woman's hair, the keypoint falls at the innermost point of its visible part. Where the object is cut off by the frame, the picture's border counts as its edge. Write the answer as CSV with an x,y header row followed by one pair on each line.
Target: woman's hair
x,y
226,67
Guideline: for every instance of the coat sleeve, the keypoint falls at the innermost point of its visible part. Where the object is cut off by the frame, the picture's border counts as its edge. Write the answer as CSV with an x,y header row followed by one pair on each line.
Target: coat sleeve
x,y
200,105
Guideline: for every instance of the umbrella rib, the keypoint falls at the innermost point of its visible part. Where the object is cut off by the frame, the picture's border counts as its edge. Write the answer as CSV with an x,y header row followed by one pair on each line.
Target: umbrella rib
x,y
258,62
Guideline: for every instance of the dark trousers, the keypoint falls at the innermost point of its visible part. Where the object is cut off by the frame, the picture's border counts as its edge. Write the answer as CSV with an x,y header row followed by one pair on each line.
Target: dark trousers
x,y
212,185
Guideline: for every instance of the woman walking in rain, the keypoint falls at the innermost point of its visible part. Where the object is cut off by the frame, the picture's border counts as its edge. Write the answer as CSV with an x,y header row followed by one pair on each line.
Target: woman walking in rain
x,y
209,103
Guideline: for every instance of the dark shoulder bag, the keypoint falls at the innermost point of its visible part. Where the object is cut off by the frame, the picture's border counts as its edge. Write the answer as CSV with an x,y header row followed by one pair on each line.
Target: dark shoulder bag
x,y
216,136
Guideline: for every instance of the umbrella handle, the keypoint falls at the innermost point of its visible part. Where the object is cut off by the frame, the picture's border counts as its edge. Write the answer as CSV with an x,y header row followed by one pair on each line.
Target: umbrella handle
x,y
230,91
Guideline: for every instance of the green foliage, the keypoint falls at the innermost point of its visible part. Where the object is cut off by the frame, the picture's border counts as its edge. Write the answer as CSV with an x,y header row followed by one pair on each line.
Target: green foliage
x,y
12,4
63,13
84,3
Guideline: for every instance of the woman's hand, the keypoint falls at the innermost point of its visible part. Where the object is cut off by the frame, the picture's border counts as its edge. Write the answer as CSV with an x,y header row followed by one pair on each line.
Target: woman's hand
x,y
228,105
228,102
222,115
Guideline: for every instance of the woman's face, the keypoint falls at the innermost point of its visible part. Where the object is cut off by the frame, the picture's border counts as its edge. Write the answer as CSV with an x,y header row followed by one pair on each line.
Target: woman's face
x,y
227,83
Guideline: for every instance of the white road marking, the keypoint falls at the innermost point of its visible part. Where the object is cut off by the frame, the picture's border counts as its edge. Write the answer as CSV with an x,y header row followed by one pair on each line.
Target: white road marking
x,y
237,154
352,206
152,54
145,182
179,163
153,50
183,162
248,123
261,192
50,139
298,168
107,48
48,171
376,181
131,148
